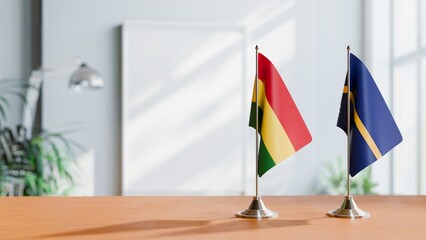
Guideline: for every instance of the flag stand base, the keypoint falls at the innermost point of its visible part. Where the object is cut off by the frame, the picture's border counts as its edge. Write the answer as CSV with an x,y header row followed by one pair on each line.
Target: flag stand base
x,y
257,209
348,209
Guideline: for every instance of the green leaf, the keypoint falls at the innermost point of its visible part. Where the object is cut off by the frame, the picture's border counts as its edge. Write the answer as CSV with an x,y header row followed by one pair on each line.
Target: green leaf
x,y
5,101
20,95
2,113
30,182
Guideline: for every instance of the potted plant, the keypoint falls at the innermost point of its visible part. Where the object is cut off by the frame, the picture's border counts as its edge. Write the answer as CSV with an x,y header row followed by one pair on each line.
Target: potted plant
x,y
334,180
36,165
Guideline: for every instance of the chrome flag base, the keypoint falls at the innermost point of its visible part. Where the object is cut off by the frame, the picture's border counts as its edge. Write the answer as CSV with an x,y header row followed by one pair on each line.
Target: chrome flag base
x,y
349,209
257,209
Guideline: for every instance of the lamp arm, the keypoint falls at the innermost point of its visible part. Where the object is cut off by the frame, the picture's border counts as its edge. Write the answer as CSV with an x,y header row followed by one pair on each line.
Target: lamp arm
x,y
31,101
33,94
53,71
84,76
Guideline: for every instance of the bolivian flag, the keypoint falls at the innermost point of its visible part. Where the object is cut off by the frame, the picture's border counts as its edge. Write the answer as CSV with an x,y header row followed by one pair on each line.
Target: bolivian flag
x,y
373,130
281,127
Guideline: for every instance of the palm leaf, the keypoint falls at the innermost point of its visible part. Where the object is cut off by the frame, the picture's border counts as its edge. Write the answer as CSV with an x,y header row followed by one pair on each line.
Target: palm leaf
x,y
2,113
4,101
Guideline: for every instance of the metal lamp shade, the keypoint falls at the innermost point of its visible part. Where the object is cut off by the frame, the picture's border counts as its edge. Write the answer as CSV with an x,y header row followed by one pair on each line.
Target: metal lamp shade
x,y
86,77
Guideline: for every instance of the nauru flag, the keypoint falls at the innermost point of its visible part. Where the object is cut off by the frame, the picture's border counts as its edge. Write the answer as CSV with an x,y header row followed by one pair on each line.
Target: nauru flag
x,y
373,131
281,127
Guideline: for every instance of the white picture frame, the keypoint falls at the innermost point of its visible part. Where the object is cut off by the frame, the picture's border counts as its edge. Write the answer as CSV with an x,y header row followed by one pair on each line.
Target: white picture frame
x,y
196,149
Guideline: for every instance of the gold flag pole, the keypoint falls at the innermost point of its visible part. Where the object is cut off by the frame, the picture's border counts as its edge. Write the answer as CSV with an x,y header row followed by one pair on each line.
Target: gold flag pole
x,y
257,208
348,209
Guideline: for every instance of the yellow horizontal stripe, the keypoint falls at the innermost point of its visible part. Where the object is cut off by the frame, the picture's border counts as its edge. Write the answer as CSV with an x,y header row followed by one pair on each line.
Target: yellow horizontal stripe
x,y
273,134
363,130
262,96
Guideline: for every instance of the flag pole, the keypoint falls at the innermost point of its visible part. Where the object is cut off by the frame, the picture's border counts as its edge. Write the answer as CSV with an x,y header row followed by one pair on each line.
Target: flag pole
x,y
348,186
348,209
257,122
257,208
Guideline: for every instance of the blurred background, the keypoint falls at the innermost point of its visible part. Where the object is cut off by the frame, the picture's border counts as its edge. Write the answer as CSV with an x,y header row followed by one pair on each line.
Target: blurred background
x,y
172,116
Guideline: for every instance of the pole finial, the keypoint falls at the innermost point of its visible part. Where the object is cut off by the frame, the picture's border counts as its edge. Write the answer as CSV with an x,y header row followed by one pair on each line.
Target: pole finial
x,y
349,48
257,47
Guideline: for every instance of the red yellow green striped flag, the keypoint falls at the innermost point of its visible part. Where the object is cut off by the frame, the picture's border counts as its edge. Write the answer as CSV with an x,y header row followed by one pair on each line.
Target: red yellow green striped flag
x,y
281,127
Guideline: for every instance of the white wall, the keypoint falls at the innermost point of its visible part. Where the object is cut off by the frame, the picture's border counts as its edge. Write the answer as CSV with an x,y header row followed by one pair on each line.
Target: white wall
x,y
305,39
15,47
394,59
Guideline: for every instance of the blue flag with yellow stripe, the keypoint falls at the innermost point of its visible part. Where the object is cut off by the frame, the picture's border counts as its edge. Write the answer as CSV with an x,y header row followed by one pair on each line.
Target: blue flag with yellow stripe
x,y
373,131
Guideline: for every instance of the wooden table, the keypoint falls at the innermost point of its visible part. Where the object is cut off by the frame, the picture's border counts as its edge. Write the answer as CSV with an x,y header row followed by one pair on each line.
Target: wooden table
x,y
301,217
